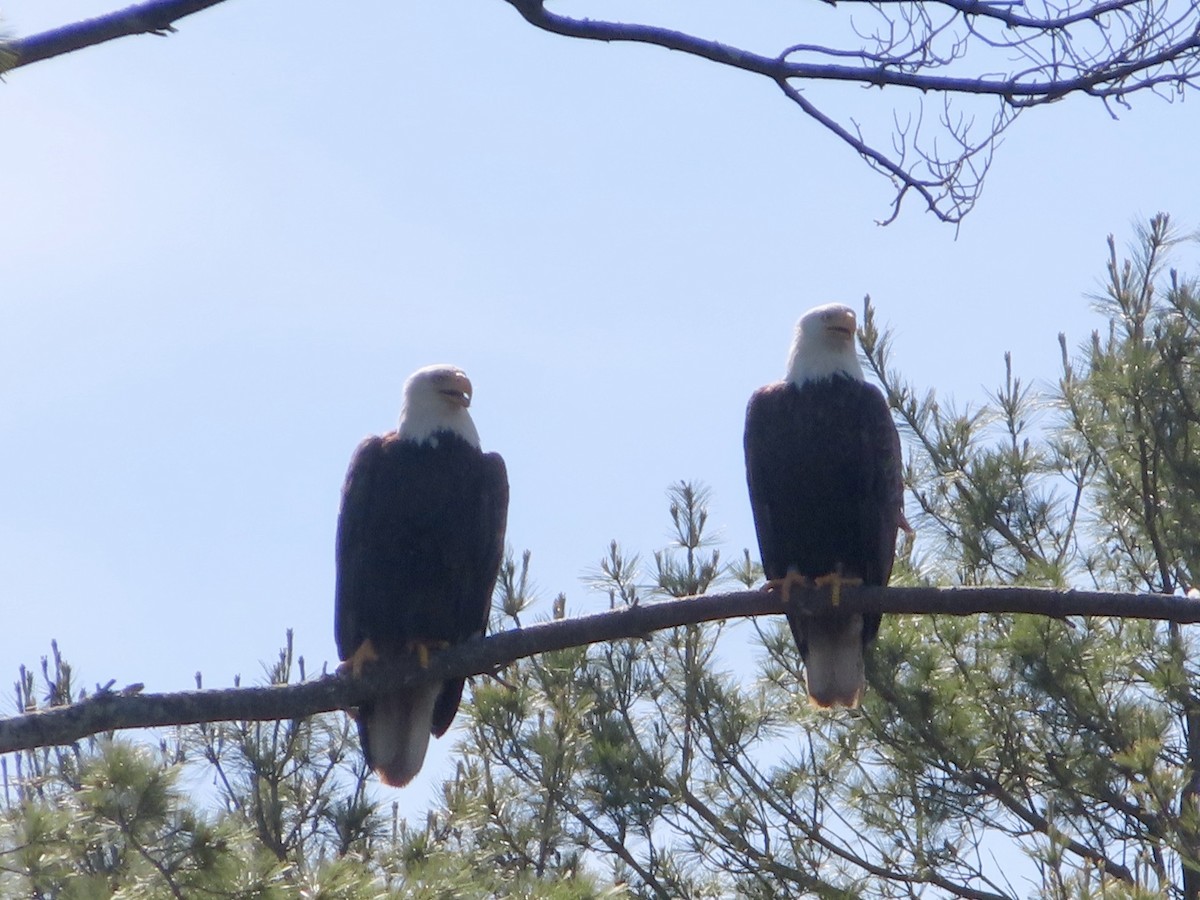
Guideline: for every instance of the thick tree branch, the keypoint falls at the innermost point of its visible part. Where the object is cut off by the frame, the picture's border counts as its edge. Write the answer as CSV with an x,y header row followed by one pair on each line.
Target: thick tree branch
x,y
155,17
115,710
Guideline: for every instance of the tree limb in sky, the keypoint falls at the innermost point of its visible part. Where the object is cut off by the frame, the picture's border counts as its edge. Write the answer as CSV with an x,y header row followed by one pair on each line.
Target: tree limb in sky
x,y
959,71
113,710
983,62
155,17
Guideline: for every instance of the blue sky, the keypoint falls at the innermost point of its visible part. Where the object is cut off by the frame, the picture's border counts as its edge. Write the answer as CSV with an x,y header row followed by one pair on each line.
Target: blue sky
x,y
224,251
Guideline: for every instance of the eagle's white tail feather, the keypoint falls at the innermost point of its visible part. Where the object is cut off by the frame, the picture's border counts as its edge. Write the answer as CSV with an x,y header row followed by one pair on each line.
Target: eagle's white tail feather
x,y
834,669
398,733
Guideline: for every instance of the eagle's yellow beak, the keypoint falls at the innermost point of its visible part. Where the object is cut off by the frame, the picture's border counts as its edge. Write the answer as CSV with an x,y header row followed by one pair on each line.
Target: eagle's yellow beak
x,y
842,322
457,389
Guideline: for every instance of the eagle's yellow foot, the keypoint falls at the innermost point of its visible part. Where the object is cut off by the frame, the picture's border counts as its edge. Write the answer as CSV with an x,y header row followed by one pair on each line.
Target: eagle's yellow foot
x,y
785,584
836,580
364,654
422,648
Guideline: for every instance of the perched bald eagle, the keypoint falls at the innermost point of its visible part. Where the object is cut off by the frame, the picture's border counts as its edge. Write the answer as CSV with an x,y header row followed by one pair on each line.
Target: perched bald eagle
x,y
824,470
419,542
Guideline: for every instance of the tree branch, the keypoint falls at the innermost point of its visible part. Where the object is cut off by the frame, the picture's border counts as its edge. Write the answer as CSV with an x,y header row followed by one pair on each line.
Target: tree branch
x,y
114,710
154,17
1107,49
1026,813
1101,81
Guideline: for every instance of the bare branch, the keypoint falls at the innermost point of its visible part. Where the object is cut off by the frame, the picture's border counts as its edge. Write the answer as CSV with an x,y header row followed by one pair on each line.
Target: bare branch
x,y
111,710
987,59
1027,91
155,17
1106,49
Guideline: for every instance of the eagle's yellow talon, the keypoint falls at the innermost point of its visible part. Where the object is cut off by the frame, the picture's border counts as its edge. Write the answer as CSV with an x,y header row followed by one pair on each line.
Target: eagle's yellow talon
x,y
364,654
785,584
835,580
422,650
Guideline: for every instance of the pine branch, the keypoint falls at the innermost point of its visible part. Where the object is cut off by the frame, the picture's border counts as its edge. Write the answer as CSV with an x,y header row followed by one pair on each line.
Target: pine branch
x,y
155,17
116,710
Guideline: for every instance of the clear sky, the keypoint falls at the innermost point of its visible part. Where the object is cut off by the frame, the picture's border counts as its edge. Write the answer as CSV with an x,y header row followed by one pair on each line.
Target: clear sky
x,y
224,251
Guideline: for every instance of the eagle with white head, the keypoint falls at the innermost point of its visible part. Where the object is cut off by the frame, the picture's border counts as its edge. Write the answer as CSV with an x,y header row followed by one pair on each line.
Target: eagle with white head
x,y
823,466
419,542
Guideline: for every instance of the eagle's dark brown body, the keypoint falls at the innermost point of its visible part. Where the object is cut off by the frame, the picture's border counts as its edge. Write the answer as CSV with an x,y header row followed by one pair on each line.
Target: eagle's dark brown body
x,y
823,466
419,543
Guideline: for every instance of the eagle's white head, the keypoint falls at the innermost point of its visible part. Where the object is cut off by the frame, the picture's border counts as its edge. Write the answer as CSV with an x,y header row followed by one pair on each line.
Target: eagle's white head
x,y
824,345
436,399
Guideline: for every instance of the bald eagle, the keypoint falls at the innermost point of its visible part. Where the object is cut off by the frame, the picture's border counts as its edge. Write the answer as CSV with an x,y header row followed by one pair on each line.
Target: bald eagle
x,y
823,466
419,542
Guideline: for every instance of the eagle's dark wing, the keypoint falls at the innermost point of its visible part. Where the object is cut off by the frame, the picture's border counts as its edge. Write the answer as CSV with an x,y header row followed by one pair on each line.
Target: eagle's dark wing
x,y
883,503
488,524
764,442
352,546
